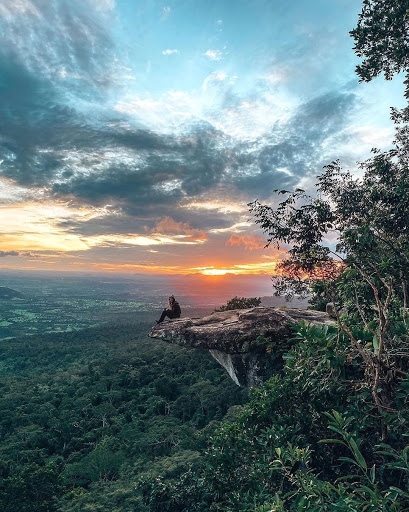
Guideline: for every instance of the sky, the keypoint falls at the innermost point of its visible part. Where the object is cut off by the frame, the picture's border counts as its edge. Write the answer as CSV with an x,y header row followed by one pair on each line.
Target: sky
x,y
133,133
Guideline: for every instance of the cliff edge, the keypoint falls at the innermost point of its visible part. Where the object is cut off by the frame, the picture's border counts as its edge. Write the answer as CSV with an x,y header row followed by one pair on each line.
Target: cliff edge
x,y
248,343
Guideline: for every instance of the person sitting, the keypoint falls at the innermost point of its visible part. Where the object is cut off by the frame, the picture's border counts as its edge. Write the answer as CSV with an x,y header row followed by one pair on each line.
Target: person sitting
x,y
172,311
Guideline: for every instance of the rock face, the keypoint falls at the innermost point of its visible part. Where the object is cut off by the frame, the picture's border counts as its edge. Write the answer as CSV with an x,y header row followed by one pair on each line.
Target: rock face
x,y
248,343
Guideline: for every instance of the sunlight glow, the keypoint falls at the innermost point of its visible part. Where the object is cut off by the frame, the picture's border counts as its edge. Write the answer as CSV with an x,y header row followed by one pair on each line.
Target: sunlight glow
x,y
214,272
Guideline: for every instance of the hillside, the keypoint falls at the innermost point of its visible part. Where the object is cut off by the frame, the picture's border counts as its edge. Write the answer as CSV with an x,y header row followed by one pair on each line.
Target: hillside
x,y
9,293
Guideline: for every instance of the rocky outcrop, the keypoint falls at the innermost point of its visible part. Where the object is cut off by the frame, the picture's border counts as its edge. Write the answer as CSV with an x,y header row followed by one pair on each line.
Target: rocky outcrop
x,y
248,343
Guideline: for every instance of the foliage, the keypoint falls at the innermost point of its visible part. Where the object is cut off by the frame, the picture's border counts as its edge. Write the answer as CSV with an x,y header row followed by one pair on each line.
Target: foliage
x,y
85,415
361,490
381,37
369,268
320,297
274,453
240,303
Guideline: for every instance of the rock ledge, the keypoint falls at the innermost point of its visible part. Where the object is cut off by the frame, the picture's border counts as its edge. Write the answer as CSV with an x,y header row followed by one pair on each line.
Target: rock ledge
x,y
233,338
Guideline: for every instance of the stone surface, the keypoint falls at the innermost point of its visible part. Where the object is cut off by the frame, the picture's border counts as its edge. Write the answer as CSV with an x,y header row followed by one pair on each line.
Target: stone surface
x,y
248,343
330,309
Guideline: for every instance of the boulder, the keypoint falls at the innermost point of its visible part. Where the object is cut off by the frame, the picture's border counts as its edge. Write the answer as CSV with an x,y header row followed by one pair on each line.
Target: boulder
x,y
248,343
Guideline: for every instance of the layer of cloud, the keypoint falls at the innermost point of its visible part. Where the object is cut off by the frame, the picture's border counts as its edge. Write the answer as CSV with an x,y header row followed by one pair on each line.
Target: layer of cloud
x,y
169,51
66,41
214,54
171,169
131,240
165,12
250,242
64,155
167,225
3,254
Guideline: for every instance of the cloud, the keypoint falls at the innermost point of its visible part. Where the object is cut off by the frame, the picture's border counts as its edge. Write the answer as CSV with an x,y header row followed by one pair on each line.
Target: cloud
x,y
10,8
167,225
53,56
214,54
103,5
3,254
219,205
254,268
294,148
107,158
170,52
228,229
250,242
146,175
161,172
165,13
63,41
214,78
134,239
61,141
38,226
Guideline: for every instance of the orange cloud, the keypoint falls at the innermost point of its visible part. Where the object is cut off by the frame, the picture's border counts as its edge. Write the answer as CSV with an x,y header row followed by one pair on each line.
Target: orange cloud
x,y
168,226
146,268
250,242
256,268
246,268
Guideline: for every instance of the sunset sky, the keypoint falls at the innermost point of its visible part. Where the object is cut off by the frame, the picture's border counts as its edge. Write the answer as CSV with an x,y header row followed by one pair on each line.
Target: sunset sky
x,y
134,132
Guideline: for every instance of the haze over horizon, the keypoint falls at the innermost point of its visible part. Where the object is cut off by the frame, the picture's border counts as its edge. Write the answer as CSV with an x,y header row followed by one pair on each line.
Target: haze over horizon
x,y
133,134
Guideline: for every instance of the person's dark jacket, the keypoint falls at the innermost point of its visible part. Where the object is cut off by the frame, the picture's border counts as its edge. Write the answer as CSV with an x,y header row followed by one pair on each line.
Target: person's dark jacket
x,y
176,311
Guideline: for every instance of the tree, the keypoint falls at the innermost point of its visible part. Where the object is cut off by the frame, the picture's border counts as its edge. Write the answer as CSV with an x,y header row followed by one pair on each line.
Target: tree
x,y
381,37
369,267
240,303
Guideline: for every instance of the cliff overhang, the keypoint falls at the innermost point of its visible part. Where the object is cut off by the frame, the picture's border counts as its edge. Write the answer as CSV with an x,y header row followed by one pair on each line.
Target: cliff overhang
x,y
248,343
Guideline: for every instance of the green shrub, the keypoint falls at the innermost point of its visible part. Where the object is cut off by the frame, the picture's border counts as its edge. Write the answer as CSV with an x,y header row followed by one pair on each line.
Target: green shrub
x,y
240,303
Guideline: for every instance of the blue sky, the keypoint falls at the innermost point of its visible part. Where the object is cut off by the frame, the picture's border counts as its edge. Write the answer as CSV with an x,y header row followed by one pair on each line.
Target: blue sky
x,y
248,40
134,133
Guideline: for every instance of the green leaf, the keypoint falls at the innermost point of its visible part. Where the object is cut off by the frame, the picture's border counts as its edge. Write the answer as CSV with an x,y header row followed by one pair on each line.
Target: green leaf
x,y
372,474
331,441
369,491
336,429
348,477
357,454
351,461
399,491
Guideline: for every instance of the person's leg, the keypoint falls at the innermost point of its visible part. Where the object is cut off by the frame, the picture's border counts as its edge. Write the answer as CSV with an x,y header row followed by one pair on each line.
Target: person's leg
x,y
166,313
162,316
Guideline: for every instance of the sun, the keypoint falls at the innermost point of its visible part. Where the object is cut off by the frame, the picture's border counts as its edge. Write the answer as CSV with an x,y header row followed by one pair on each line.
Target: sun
x,y
215,272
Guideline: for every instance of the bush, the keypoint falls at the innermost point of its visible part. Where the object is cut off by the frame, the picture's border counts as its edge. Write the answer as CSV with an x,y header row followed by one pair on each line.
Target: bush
x,y
240,303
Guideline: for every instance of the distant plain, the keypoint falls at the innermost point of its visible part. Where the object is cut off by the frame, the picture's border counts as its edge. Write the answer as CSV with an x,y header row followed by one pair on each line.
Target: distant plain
x,y
64,302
